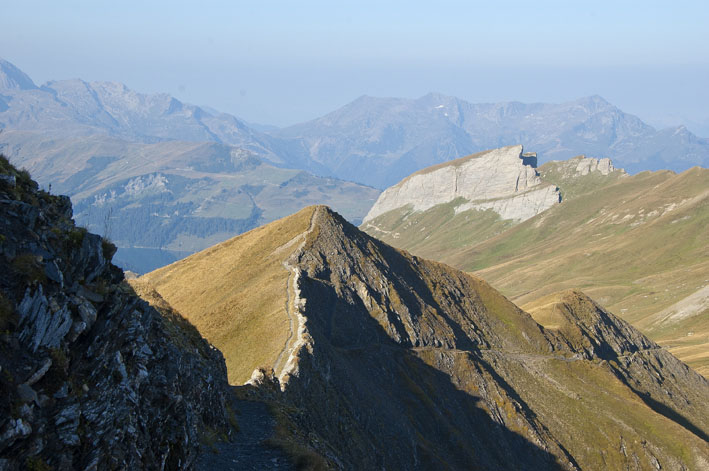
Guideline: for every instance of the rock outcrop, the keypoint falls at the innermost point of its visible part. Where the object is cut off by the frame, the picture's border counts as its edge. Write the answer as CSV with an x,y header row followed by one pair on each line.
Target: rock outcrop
x,y
91,376
580,166
503,180
587,165
402,363
12,78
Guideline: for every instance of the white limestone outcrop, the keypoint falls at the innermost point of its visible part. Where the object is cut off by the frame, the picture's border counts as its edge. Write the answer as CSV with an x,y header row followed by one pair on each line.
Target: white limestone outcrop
x,y
519,207
587,165
503,180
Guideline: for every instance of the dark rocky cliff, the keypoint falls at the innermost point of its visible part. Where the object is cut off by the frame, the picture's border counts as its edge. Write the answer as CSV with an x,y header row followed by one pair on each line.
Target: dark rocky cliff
x,y
91,376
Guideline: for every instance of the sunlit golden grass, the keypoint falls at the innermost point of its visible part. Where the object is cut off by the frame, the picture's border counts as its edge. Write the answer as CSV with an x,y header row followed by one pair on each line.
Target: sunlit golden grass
x,y
235,293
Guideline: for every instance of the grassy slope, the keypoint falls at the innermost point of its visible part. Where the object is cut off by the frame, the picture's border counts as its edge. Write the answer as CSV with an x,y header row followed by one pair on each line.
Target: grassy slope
x,y
582,403
591,383
684,327
435,232
245,276
626,245
235,293
635,244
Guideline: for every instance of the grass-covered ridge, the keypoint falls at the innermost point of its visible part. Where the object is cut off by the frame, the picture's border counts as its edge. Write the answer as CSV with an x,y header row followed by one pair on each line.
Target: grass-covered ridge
x,y
637,244
235,293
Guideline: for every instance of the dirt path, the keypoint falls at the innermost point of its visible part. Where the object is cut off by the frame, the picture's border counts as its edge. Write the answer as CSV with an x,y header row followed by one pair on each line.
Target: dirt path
x,y
292,308
246,452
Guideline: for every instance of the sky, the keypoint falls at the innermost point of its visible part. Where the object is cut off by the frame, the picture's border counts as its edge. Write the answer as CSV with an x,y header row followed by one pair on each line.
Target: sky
x,y
283,62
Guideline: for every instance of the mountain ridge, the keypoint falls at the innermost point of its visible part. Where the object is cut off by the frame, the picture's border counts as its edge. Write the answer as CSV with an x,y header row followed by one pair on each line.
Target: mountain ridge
x,y
379,323
636,243
374,141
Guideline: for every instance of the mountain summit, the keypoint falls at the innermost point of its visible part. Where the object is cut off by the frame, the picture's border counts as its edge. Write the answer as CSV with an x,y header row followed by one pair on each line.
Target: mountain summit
x,y
396,362
12,78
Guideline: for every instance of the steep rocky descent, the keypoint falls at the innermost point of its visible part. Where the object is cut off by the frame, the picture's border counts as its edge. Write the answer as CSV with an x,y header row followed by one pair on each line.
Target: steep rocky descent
x,y
91,376
503,180
410,364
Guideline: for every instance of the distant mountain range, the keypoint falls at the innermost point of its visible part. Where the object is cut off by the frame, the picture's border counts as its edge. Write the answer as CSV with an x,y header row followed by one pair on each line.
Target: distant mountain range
x,y
75,108
161,178
92,140
374,141
379,141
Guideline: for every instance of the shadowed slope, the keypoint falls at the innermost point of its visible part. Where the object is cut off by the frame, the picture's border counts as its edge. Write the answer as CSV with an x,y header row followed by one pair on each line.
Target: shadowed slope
x,y
409,364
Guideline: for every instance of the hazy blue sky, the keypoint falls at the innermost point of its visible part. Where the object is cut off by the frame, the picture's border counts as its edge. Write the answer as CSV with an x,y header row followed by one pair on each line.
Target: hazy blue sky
x,y
281,62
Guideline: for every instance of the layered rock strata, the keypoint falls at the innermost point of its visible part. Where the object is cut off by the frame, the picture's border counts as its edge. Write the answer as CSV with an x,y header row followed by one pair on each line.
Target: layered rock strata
x,y
503,180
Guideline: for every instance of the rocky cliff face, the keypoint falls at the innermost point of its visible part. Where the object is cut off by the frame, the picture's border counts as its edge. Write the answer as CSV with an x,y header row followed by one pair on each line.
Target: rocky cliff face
x,y
389,361
503,180
92,377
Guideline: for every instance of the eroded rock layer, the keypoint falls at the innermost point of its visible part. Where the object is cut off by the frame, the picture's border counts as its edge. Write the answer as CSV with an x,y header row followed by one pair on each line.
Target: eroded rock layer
x,y
504,180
